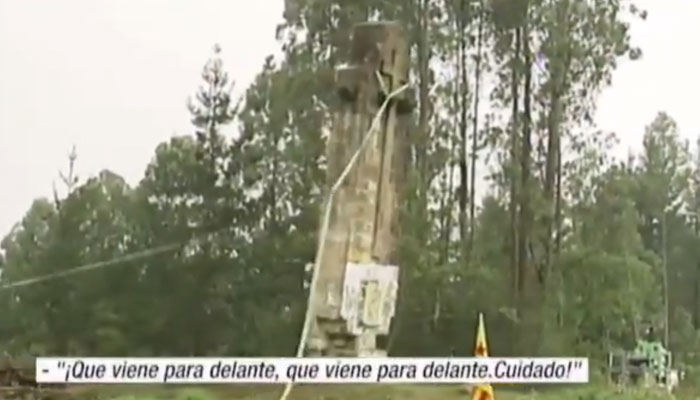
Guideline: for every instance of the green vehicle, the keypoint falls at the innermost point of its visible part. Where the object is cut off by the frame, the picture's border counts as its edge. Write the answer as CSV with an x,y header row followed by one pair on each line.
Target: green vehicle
x,y
650,364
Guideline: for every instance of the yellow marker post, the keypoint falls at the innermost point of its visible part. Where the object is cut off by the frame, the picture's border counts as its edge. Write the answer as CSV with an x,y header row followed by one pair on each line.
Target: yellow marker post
x,y
483,391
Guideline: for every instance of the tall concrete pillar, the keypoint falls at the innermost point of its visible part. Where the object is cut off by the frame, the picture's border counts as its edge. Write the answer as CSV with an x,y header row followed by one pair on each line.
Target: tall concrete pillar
x,y
358,275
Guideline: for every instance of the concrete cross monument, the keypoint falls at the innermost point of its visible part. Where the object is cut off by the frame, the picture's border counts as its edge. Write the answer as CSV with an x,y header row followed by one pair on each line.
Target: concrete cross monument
x,y
357,279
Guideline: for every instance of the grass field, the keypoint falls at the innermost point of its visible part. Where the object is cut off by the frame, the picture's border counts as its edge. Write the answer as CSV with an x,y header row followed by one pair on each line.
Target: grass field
x,y
356,392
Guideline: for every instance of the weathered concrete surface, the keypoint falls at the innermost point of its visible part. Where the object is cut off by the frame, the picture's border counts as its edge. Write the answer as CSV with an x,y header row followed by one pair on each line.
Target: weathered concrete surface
x,y
364,216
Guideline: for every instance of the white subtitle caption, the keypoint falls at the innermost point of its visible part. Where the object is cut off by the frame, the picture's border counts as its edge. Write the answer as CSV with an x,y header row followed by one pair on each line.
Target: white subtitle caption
x,y
311,370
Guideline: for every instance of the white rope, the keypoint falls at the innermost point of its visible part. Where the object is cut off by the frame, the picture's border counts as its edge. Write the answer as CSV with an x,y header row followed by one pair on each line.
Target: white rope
x,y
87,267
114,261
374,127
107,263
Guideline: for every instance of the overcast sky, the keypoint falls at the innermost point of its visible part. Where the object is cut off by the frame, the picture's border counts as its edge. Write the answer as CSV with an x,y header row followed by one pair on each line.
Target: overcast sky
x,y
112,77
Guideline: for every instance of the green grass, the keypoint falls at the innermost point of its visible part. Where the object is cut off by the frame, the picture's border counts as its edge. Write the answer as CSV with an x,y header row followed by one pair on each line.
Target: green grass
x,y
355,392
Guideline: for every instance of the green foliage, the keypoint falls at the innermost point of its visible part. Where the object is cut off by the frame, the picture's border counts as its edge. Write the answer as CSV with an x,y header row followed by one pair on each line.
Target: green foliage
x,y
134,398
194,394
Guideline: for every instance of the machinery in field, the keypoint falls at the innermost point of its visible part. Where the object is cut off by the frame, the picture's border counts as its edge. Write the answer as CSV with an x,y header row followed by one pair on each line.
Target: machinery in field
x,y
15,372
18,381
17,378
649,365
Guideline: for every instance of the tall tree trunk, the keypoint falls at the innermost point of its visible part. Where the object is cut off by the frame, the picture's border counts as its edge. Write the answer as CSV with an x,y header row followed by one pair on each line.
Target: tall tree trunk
x,y
527,269
529,305
447,235
463,170
525,157
446,209
475,131
550,174
557,243
423,76
513,165
557,207
558,71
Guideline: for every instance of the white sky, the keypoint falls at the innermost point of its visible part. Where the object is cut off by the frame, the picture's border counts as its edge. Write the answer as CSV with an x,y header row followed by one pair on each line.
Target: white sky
x,y
112,77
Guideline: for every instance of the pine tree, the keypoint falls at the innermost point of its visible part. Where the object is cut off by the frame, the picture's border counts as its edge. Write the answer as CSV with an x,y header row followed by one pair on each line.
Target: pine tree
x,y
213,108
